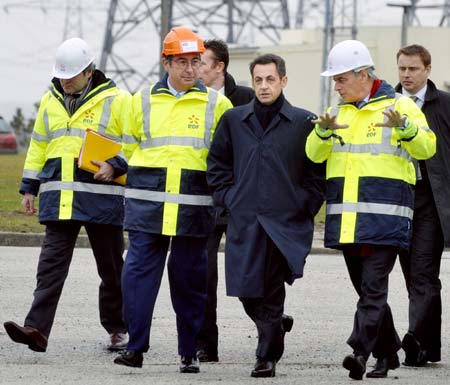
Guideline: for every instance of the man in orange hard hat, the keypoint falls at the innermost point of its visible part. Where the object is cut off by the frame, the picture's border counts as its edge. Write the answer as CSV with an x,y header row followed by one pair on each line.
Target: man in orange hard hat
x,y
167,198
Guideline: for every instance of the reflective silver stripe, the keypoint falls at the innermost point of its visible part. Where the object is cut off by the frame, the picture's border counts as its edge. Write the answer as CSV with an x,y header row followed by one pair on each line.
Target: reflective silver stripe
x,y
67,131
82,187
209,115
30,174
160,196
373,148
145,93
129,139
38,137
369,208
106,115
197,143
46,123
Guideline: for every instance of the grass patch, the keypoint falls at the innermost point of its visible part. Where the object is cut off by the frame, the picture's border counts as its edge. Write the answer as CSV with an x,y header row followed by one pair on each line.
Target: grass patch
x,y
12,217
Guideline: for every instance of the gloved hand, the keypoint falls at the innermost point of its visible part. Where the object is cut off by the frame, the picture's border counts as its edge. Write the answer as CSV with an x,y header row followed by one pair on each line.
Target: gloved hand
x,y
408,132
323,133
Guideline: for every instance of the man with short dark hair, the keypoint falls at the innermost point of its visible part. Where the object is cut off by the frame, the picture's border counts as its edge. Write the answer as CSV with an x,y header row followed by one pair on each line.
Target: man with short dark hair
x,y
213,73
431,220
259,172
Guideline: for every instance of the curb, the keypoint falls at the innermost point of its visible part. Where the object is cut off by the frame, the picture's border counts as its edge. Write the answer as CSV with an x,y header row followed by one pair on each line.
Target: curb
x,y
36,239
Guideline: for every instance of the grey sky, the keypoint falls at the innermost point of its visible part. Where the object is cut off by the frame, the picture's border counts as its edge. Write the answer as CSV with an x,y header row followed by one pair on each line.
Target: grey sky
x,y
29,37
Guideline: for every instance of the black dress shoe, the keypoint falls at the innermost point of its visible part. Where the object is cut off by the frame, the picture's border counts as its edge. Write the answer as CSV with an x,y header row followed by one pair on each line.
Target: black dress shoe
x,y
27,335
130,358
264,369
414,354
356,365
204,356
189,365
383,365
286,322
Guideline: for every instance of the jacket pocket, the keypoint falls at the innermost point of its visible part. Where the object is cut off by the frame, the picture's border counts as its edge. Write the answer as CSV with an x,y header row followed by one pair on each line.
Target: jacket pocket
x,y
146,178
48,173
381,190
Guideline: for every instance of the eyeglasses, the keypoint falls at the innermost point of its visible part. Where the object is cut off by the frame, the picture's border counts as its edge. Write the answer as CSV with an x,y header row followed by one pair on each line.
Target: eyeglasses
x,y
183,63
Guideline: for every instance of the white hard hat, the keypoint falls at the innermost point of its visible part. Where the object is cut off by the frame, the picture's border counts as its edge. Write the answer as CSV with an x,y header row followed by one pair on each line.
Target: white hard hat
x,y
346,56
72,57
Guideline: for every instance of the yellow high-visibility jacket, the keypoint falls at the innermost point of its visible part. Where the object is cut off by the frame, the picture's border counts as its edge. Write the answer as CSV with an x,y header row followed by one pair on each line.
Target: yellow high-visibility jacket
x,y
67,192
370,172
166,143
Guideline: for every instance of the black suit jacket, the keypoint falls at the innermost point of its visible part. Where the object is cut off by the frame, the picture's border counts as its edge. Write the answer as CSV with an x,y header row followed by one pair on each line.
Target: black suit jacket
x,y
436,170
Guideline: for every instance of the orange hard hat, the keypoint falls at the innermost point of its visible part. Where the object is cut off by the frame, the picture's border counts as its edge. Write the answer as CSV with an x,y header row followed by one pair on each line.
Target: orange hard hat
x,y
182,40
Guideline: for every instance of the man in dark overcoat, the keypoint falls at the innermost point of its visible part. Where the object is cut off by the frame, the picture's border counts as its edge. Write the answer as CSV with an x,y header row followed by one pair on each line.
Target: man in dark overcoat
x,y
258,170
431,221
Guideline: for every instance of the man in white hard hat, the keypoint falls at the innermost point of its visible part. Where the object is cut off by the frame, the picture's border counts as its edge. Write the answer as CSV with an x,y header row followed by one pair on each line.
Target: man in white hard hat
x,y
80,97
368,141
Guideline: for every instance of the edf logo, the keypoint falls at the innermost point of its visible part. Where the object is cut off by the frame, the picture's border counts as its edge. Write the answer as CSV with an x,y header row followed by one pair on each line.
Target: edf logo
x,y
193,121
371,131
88,117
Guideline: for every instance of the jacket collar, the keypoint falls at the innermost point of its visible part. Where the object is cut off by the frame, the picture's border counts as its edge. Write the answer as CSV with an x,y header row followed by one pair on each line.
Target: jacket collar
x,y
286,110
98,79
161,87
100,83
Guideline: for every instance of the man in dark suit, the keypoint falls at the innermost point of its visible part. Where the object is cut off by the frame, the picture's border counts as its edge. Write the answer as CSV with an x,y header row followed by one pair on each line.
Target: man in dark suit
x,y
213,73
258,170
431,221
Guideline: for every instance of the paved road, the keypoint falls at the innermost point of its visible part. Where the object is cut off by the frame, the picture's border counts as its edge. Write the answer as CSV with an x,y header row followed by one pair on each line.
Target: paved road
x,y
322,303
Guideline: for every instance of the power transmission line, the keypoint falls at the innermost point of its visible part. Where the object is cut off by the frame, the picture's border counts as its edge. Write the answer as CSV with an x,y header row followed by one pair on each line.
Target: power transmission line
x,y
234,21
73,21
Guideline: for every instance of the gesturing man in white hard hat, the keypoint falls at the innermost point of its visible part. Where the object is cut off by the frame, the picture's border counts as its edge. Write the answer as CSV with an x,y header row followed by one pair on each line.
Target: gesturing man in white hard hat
x,y
80,97
167,199
369,141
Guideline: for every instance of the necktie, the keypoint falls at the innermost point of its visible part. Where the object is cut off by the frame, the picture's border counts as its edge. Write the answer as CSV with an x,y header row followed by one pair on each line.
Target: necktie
x,y
414,98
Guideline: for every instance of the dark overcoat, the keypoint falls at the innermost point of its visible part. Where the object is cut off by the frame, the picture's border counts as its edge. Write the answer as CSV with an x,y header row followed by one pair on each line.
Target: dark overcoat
x,y
437,111
269,187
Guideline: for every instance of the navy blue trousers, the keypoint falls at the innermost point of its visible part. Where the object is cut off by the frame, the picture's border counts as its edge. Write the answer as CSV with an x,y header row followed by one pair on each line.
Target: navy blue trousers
x,y
141,279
